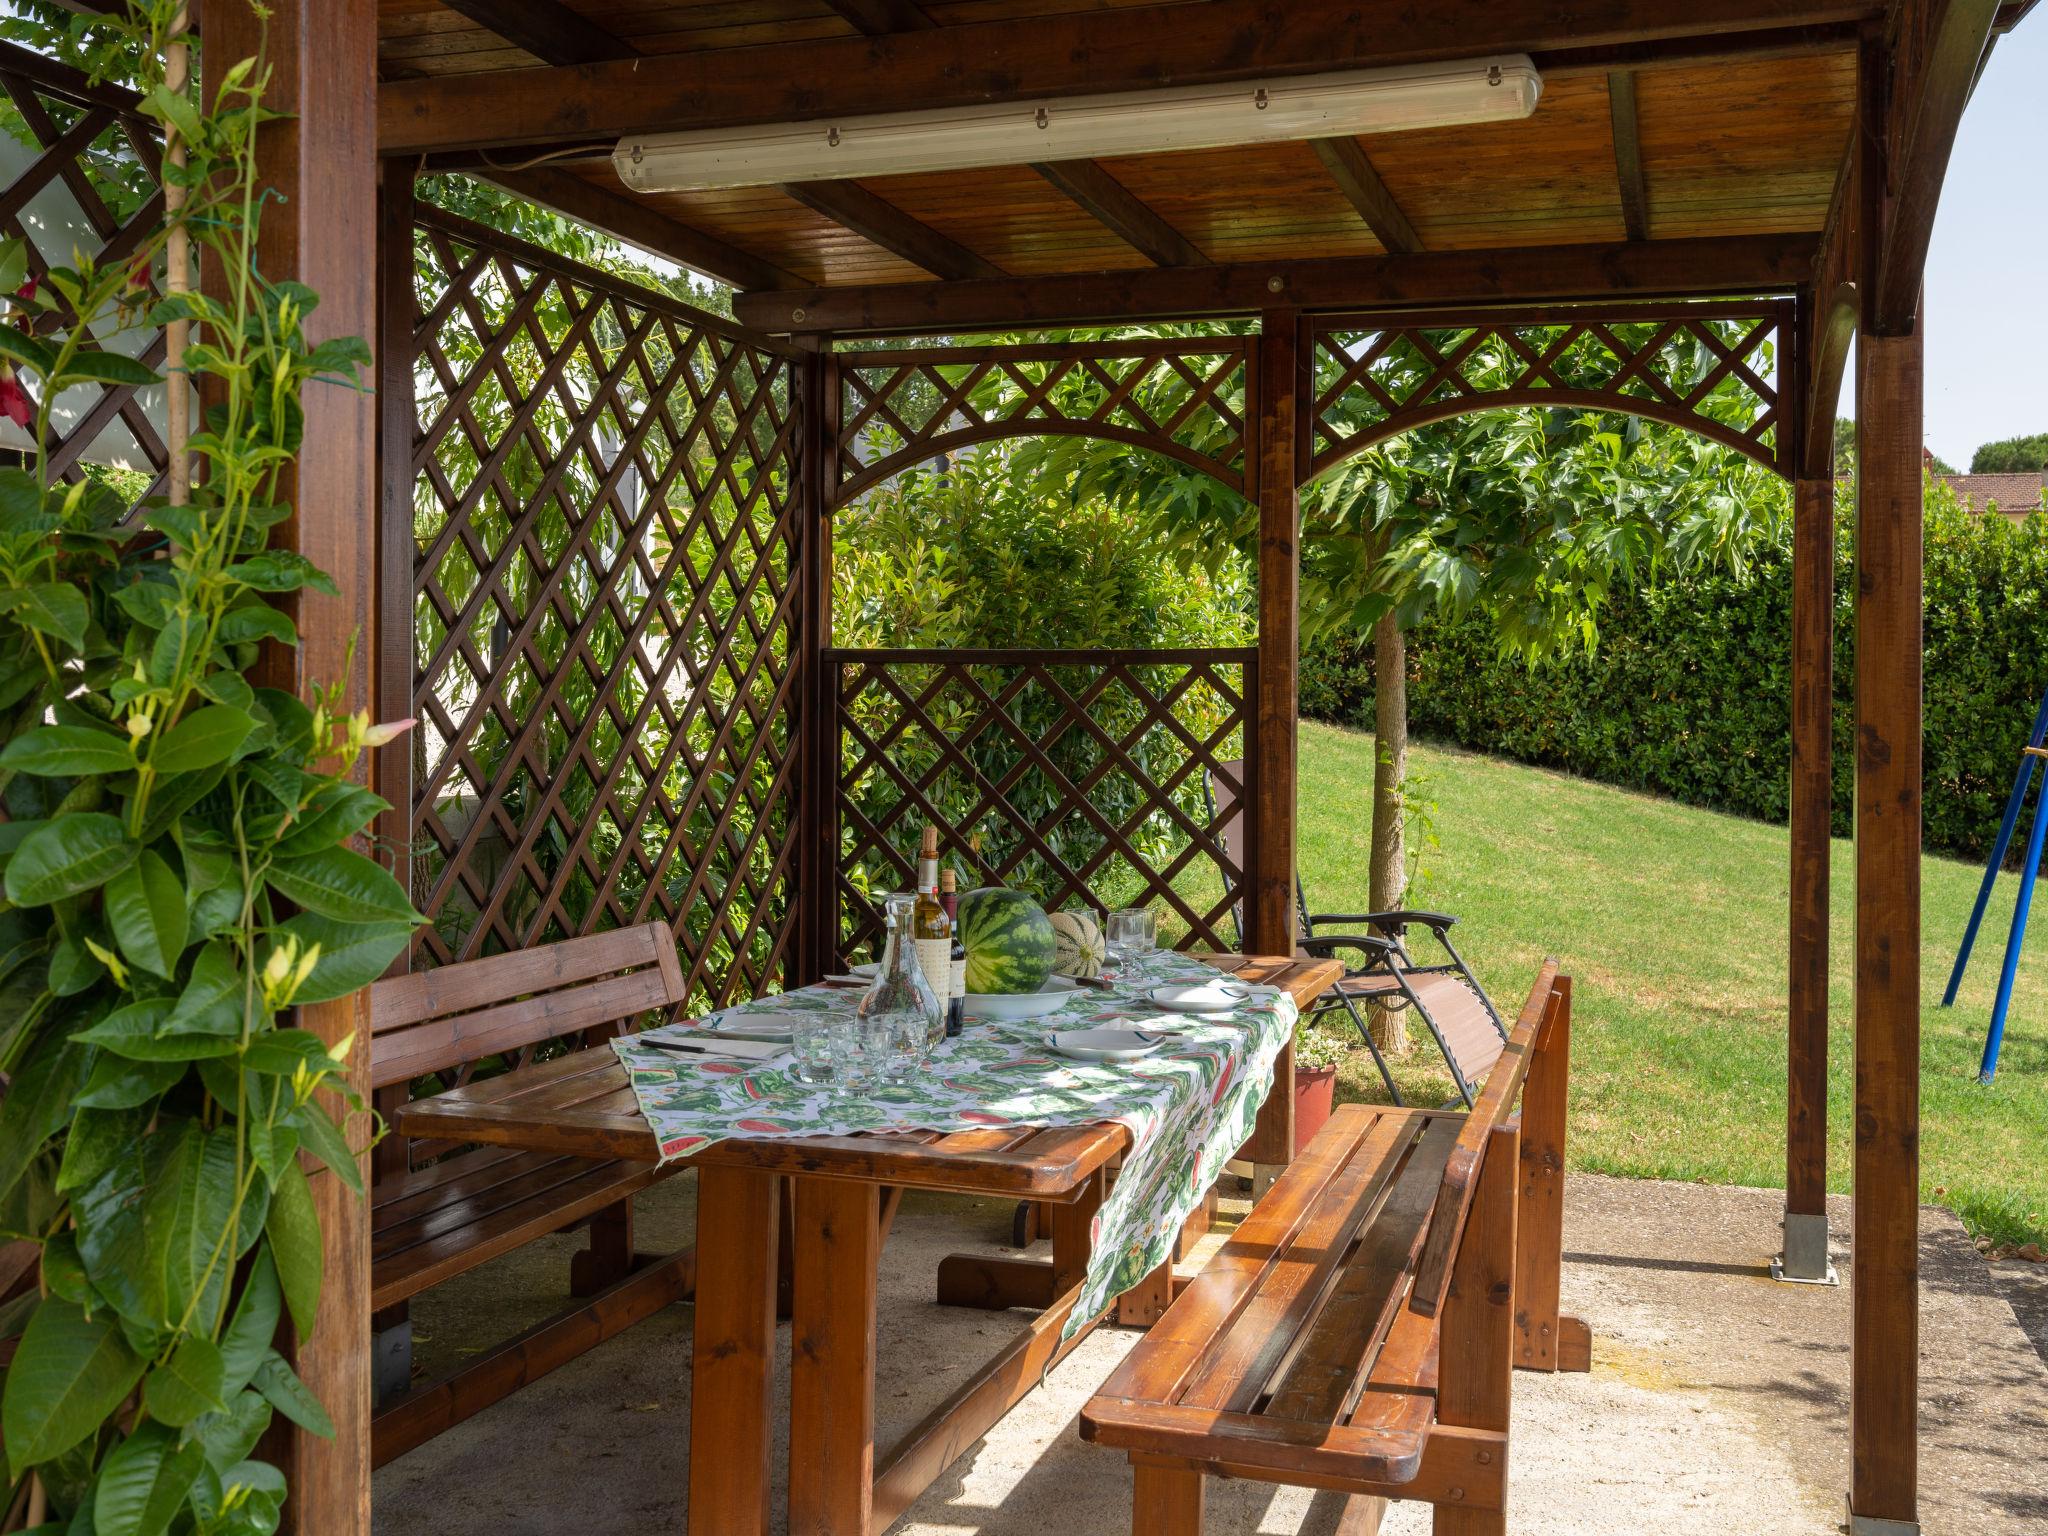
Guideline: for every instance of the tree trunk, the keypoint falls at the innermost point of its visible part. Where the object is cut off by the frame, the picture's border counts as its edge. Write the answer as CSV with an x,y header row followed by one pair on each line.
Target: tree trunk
x,y
1389,881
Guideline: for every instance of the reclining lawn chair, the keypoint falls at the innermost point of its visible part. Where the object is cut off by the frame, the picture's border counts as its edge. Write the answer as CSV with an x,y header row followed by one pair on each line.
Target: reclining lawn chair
x,y
1444,995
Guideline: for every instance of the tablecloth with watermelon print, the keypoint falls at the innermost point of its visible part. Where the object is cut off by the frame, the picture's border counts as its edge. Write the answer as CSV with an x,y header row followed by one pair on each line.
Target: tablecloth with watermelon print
x,y
1188,1105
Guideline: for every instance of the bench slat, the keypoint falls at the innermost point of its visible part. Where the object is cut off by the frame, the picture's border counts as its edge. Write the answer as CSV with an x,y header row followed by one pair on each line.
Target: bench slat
x,y
1325,1377
1234,1371
428,1263
438,1044
462,1207
400,1001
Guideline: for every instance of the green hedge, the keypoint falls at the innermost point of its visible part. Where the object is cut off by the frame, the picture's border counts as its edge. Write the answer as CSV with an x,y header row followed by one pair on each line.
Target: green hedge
x,y
1687,693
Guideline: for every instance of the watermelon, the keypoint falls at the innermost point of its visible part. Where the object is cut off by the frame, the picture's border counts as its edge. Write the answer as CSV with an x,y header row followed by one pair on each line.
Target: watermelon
x,y
1008,939
1078,949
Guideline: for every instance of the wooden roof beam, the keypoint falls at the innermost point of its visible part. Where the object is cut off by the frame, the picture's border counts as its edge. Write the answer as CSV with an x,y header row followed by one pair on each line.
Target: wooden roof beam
x,y
1932,76
1744,264
1116,208
1121,49
1352,170
854,207
547,29
638,222
1628,154
552,32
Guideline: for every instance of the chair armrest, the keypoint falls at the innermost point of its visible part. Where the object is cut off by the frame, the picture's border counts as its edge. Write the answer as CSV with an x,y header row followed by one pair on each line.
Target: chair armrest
x,y
1438,920
1324,947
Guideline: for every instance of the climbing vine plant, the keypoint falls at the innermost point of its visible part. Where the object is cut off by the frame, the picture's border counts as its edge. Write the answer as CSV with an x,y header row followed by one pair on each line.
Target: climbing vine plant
x,y
175,877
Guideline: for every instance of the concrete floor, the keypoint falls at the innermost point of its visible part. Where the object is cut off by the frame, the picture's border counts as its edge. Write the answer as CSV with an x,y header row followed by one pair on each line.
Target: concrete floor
x,y
1718,1400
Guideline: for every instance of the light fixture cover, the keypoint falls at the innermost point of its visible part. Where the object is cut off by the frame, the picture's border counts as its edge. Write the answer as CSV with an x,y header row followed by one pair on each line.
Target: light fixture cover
x,y
1084,127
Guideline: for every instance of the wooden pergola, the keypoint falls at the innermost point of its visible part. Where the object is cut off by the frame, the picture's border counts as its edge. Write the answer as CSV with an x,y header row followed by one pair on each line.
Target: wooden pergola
x,y
1734,174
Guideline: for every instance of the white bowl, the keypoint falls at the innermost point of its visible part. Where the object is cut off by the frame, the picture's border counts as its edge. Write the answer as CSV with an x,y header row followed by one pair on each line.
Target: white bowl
x,y
1200,997
1022,1005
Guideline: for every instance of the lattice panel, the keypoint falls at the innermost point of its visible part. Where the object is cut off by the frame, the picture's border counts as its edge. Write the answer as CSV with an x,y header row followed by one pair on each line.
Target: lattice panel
x,y
1181,398
604,617
1710,368
1079,774
81,168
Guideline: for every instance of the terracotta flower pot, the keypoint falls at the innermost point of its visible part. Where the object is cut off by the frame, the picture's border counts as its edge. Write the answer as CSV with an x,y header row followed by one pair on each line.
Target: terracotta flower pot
x,y
1315,1092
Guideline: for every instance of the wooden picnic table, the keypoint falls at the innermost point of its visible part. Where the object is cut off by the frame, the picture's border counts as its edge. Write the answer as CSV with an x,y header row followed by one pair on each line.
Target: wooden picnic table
x,y
582,1104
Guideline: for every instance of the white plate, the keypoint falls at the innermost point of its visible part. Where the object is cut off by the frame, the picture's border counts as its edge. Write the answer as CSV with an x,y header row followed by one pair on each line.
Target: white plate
x,y
1201,997
1104,1044
867,968
1022,1005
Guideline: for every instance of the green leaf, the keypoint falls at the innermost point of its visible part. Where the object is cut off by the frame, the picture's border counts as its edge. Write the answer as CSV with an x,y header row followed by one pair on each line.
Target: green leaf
x,y
327,1141
282,570
228,688
143,1484
67,751
145,905
53,607
343,885
24,348
73,968
38,1102
352,955
248,1336
336,814
281,1052
189,1209
294,1230
288,1395
133,1032
229,1437
96,1142
70,1374
64,1272
207,736
188,1384
68,856
259,621
147,602
119,1083
212,1001
109,368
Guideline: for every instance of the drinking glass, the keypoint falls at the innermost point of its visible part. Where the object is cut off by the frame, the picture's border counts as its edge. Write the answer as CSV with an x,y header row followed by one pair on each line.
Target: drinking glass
x,y
1131,934
827,1051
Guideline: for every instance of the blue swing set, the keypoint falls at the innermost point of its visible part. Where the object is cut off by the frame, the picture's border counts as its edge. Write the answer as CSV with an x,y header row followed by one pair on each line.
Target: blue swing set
x,y
2032,756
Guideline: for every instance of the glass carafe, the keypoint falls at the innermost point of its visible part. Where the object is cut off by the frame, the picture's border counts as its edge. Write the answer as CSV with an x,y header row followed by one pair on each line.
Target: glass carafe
x,y
900,1018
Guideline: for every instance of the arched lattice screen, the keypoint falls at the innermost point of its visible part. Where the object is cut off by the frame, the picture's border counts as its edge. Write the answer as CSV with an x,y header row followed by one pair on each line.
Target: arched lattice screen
x,y
604,613
1710,368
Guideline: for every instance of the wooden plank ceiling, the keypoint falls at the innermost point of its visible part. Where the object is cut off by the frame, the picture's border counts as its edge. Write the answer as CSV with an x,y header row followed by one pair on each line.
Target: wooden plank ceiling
x,y
1744,141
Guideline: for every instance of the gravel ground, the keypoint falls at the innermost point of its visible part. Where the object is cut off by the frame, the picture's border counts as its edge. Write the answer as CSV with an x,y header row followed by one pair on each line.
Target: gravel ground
x,y
1715,1393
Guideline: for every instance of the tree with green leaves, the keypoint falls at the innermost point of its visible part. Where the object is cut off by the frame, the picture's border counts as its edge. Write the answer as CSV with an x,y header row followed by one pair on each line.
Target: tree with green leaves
x,y
1532,517
2011,456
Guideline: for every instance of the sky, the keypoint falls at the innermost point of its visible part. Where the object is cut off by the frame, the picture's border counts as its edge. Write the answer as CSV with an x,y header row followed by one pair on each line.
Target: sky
x,y
1986,304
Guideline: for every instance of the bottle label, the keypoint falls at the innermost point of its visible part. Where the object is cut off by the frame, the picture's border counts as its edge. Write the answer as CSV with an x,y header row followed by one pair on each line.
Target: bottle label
x,y
935,959
957,975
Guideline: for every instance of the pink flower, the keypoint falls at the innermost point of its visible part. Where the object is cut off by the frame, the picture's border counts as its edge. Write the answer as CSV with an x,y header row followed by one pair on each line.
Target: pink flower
x,y
27,291
14,401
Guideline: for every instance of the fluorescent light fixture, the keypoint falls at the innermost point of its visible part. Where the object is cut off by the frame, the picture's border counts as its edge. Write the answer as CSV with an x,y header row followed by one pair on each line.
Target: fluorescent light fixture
x,y
1084,127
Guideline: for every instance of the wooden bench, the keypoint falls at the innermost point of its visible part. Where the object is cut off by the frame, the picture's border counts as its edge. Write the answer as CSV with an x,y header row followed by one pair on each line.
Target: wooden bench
x,y
1357,1333
433,1222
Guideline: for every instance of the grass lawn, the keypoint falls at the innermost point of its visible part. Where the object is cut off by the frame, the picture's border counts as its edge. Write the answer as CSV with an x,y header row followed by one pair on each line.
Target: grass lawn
x,y
1671,922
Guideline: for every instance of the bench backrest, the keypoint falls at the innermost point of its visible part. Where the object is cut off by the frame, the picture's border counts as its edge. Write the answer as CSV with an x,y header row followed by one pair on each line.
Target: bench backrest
x,y
1549,1000
458,1014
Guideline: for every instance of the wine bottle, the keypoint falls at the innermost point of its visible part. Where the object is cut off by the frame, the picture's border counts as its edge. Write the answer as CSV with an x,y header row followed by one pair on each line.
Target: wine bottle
x,y
931,929
956,1005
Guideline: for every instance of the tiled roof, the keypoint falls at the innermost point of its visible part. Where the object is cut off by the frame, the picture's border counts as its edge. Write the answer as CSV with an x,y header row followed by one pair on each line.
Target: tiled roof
x,y
2013,494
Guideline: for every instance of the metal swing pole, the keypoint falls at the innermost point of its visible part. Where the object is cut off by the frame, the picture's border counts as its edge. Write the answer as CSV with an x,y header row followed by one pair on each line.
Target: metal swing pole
x,y
2022,781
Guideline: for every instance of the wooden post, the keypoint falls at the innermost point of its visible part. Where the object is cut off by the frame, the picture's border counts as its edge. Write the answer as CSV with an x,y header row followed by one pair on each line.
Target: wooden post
x,y
1805,1255
1885,1352
818,728
1279,362
319,164
832,1357
732,1352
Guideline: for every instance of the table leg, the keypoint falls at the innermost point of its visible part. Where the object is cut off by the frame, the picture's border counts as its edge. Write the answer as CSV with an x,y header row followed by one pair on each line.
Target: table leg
x,y
832,1358
732,1353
